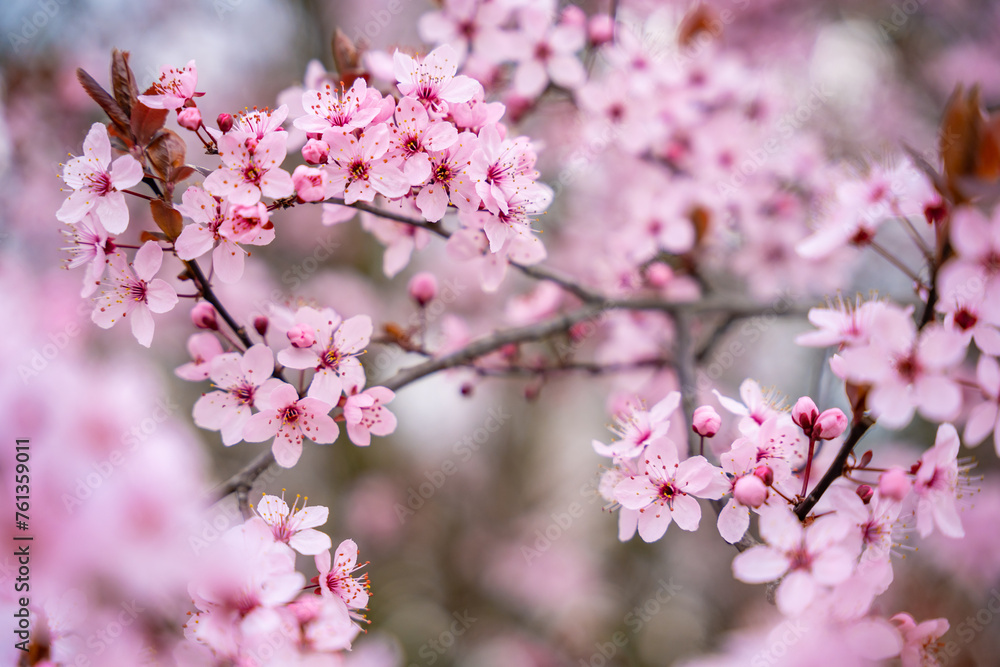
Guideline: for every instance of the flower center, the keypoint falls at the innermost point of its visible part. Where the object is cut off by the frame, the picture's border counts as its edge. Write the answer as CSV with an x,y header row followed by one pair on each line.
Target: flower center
x,y
136,290
443,174
290,415
100,184
244,393
359,170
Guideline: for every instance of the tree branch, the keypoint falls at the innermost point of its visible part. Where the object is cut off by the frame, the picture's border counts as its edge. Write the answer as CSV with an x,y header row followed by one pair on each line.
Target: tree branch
x,y
836,469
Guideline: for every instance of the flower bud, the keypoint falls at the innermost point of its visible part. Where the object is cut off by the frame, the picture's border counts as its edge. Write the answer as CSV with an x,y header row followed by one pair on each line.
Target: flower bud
x,y
573,16
260,324
766,474
894,484
830,424
225,122
423,288
706,421
804,414
203,316
189,118
310,183
315,151
659,274
865,492
600,29
750,490
301,335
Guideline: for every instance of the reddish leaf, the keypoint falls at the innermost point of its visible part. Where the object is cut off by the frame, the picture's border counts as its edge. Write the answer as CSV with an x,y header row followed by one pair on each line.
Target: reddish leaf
x,y
182,173
123,81
147,122
104,100
700,19
166,154
167,218
152,236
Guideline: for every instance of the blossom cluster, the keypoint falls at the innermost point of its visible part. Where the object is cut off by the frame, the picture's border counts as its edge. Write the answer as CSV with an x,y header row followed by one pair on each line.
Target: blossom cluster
x,y
252,602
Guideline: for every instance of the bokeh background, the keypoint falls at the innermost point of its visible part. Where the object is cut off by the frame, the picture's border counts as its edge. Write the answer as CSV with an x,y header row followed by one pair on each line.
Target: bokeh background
x,y
458,519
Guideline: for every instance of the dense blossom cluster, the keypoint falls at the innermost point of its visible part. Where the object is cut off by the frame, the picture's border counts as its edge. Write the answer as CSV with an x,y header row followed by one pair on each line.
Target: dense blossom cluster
x,y
688,184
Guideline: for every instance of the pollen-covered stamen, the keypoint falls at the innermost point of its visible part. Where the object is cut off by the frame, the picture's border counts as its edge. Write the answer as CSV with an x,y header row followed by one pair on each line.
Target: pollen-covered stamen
x,y
443,174
359,170
668,492
290,415
136,290
411,144
252,174
331,358
244,393
99,183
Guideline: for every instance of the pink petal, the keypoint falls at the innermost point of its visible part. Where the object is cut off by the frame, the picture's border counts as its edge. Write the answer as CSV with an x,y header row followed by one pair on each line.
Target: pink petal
x,y
287,447
125,172
261,426
194,241
982,420
686,513
653,523
310,542
734,519
759,565
780,528
113,212
147,260
795,593
142,325
635,492
160,297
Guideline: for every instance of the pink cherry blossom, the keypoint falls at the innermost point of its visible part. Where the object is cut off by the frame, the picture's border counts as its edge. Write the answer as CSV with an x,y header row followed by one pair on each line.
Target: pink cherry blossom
x,y
667,489
203,348
466,25
365,414
351,109
919,641
295,526
356,167
705,421
640,428
336,577
841,323
756,408
471,245
97,183
547,52
894,484
239,378
287,419
310,183
174,87
91,246
334,353
741,463
449,181
432,80
808,559
251,168
908,371
136,294
415,136
502,168
939,485
975,271
257,123
210,215
984,417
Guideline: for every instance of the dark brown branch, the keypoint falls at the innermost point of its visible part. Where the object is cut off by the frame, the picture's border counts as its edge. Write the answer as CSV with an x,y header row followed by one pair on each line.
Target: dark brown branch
x,y
836,469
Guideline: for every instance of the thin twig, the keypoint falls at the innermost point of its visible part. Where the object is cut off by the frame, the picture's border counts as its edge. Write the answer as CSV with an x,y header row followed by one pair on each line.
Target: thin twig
x,y
836,468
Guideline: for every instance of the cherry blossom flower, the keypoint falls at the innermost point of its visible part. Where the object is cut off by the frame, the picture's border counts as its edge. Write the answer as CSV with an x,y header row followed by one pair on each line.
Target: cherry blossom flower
x,y
97,183
471,245
467,24
975,271
415,136
547,52
351,109
203,347
640,428
240,379
251,168
502,168
449,182
756,408
325,624
247,224
432,80
174,87
872,523
938,485
365,414
356,167
295,526
210,215
138,294
807,558
91,246
740,462
667,489
287,418
919,641
334,354
908,371
966,316
257,123
841,323
985,416
336,577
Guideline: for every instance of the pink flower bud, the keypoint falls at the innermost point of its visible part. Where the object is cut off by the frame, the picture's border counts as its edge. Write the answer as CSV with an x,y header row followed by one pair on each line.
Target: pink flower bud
x,y
750,490
573,16
203,316
301,335
804,414
865,492
766,474
315,151
706,421
830,424
894,484
423,288
189,118
310,183
601,29
659,274
225,122
260,324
